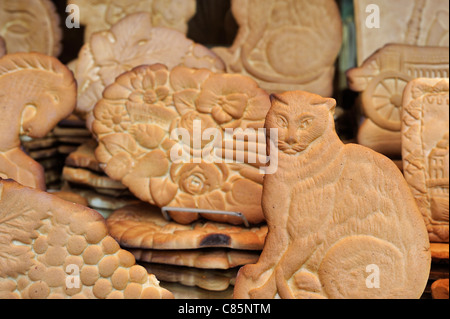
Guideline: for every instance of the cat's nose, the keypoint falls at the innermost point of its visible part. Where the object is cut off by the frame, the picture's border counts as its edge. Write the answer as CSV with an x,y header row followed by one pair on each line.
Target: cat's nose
x,y
291,140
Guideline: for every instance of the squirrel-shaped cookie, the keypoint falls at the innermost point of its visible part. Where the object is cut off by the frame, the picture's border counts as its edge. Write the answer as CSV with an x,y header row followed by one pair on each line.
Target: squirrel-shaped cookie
x,y
342,221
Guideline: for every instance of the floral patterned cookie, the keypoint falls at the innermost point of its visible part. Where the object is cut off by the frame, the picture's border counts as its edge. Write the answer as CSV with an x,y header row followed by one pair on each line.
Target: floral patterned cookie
x,y
131,42
138,125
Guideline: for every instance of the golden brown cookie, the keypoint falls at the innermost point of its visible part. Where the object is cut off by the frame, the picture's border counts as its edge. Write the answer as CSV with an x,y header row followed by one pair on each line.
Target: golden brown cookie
x,y
85,177
285,44
101,15
30,26
51,248
213,258
143,226
131,42
70,197
36,92
146,126
342,221
84,157
439,289
425,150
207,279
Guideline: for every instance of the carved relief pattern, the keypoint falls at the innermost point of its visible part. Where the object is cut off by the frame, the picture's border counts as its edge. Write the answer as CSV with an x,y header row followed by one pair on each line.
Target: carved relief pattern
x,y
280,48
383,77
37,91
30,26
100,15
425,143
134,124
130,43
413,22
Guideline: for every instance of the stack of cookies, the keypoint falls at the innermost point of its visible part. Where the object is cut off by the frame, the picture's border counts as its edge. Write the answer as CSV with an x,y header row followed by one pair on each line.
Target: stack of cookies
x,y
203,254
82,175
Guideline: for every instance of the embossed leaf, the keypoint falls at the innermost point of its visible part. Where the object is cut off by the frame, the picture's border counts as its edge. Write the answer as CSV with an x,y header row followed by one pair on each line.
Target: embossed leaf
x,y
162,191
19,224
120,142
147,135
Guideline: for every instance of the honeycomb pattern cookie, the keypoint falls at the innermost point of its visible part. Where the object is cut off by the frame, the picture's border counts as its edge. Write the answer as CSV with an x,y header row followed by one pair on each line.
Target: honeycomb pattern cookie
x,y
54,249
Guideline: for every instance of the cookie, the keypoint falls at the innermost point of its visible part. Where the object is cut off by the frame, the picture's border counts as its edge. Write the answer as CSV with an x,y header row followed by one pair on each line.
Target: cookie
x,y
342,221
197,258
70,197
210,280
138,124
37,91
425,146
439,289
84,157
30,26
131,42
97,200
101,15
285,45
142,226
381,80
85,177
52,248
379,22
185,292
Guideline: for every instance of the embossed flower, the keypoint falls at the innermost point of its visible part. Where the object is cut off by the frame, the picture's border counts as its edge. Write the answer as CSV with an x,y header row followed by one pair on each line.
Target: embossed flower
x,y
149,87
231,97
199,179
194,125
186,83
111,117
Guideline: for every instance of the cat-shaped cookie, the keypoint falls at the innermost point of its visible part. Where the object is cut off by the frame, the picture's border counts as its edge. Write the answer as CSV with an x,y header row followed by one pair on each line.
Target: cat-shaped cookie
x,y
342,221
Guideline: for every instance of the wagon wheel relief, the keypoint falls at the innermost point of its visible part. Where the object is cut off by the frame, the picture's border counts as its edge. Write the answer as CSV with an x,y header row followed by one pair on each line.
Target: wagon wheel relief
x,y
382,100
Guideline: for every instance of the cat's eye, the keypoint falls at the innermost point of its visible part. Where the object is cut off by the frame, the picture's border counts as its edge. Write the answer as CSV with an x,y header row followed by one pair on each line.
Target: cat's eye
x,y
305,123
282,122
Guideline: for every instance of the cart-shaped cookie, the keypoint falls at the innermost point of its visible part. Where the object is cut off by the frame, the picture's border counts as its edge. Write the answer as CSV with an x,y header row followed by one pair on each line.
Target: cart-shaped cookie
x,y
383,77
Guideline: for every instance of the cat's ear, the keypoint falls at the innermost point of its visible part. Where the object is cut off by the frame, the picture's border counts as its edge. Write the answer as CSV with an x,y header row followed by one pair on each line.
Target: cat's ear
x,y
275,97
328,102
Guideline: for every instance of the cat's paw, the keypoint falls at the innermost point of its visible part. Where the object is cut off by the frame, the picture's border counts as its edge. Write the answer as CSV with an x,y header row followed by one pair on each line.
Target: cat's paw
x,y
307,286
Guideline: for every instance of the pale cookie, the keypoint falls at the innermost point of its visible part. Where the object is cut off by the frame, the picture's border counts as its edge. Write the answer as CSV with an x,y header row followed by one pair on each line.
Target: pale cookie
x,y
131,42
174,138
382,78
208,279
51,248
101,15
425,146
213,258
286,44
30,26
342,221
36,92
142,226
418,22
